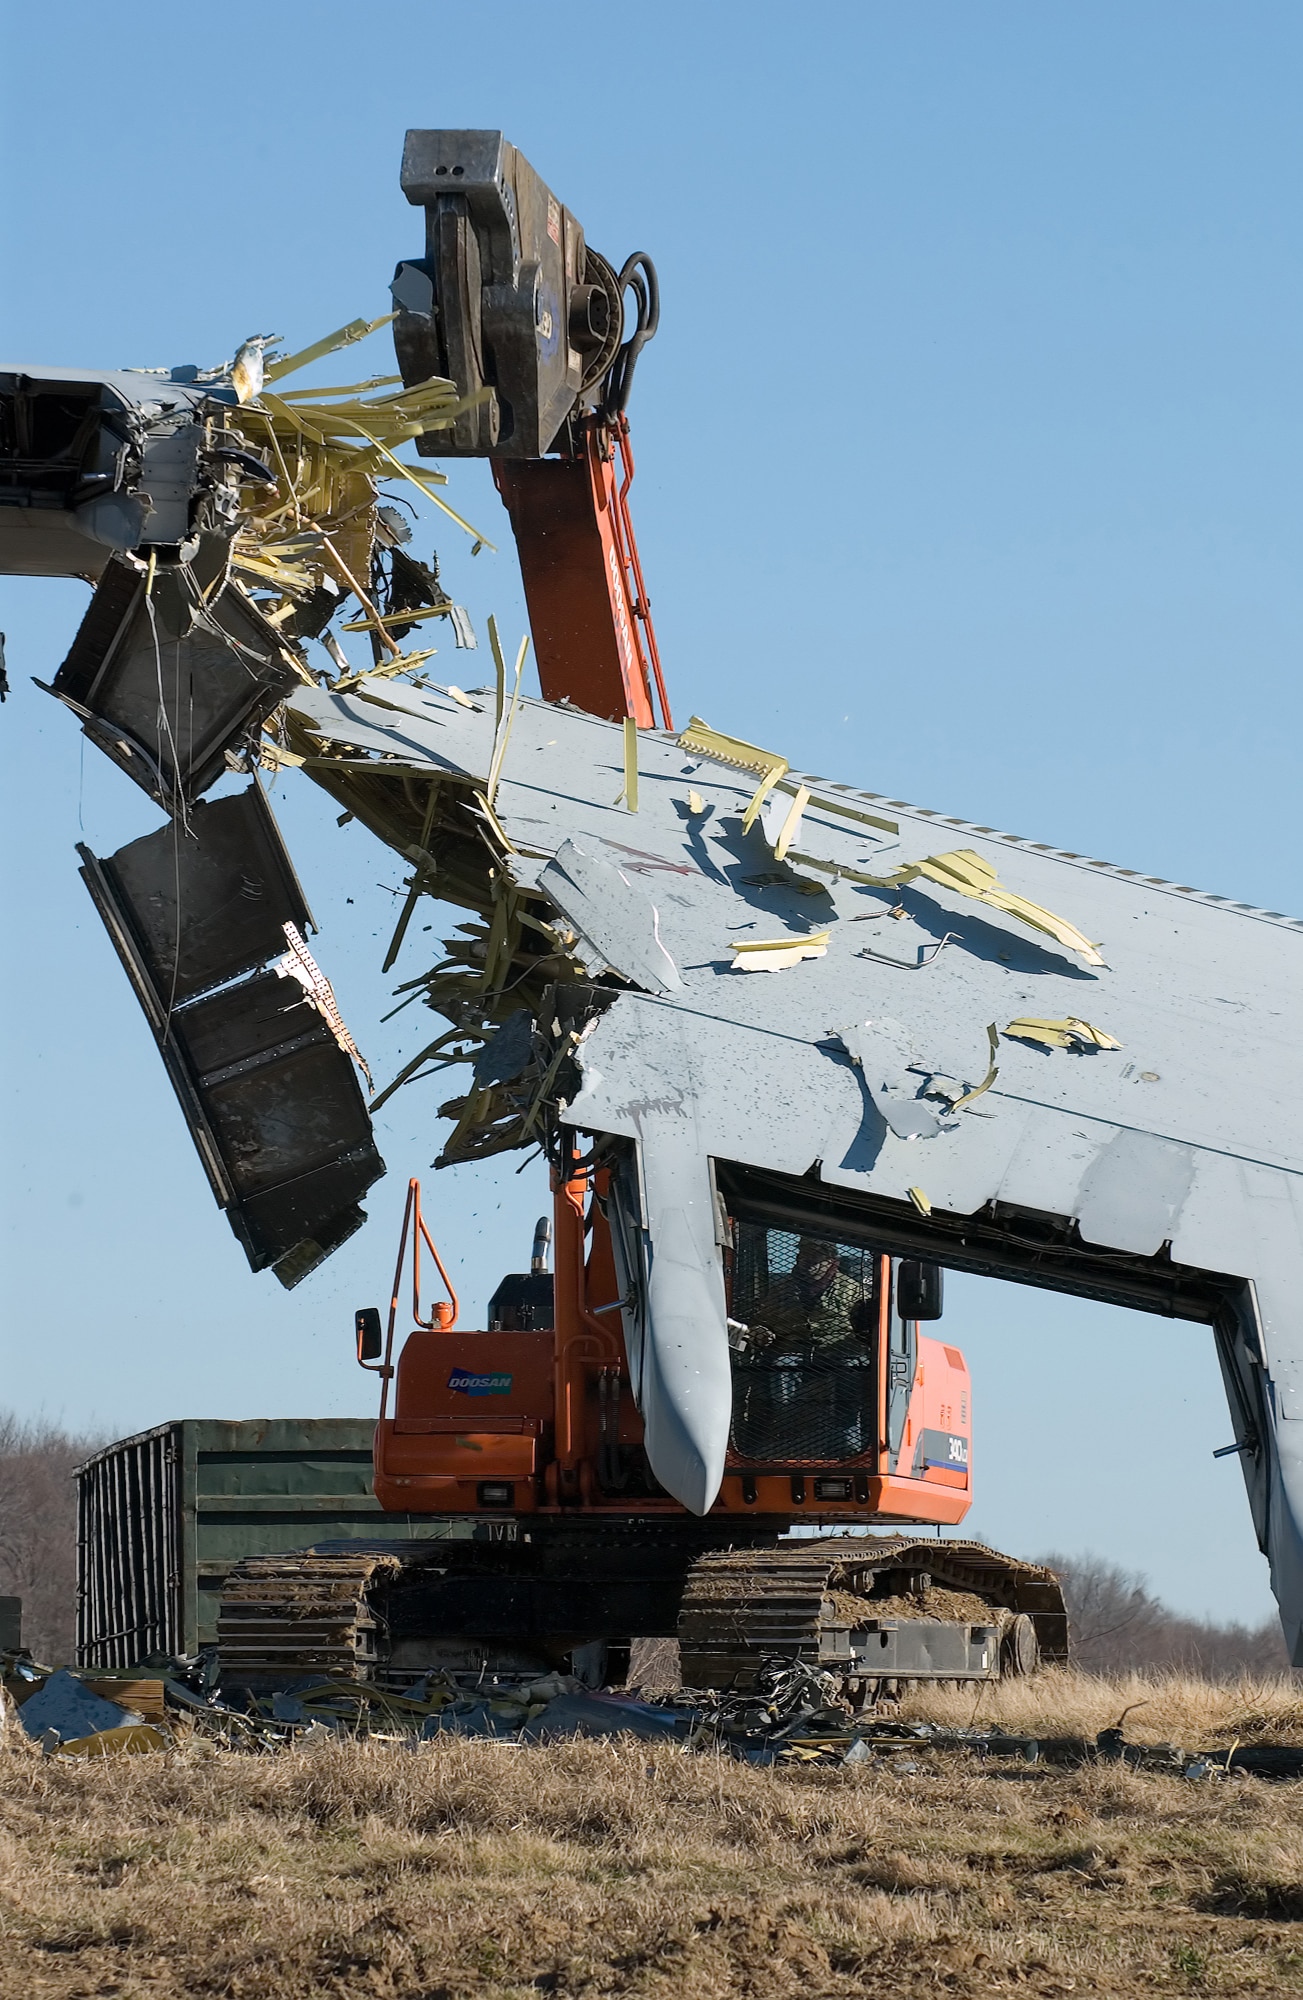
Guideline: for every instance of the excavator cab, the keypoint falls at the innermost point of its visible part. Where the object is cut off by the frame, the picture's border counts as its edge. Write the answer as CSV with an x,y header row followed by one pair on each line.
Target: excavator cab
x,y
842,1410
803,1333
839,1403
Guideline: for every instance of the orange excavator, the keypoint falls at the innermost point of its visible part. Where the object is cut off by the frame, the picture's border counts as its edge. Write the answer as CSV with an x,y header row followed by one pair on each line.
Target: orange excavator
x,y
528,1430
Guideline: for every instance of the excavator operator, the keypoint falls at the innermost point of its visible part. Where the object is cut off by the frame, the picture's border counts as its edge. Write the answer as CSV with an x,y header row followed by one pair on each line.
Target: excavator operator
x,y
802,1378
813,1308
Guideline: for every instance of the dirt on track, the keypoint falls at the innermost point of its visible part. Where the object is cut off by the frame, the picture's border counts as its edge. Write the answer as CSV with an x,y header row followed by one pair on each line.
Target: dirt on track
x,y
477,1868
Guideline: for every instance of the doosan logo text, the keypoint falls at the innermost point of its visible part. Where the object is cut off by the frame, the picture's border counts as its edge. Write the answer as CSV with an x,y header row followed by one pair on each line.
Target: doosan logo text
x,y
467,1384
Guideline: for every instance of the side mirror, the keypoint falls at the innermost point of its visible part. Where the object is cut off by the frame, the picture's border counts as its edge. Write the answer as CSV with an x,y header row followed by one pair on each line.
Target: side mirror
x,y
370,1339
918,1289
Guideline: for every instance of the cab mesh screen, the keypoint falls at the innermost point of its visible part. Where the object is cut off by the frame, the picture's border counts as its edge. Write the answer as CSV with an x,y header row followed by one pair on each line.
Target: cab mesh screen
x,y
803,1375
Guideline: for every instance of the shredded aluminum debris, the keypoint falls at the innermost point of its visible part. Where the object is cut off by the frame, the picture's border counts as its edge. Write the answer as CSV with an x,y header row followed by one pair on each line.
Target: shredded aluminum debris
x,y
791,1715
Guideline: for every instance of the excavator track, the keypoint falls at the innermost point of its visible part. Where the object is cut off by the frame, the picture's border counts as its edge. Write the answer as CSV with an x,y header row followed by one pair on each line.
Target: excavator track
x,y
871,1610
283,1617
386,1612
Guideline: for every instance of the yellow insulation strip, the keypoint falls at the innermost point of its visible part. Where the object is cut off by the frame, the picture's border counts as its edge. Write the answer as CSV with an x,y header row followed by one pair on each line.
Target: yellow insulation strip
x,y
337,562
432,406
704,741
776,954
761,793
339,389
920,1200
273,756
967,874
629,792
499,831
391,618
356,683
418,477
500,672
503,732
824,804
344,336
792,824
1070,1033
993,1038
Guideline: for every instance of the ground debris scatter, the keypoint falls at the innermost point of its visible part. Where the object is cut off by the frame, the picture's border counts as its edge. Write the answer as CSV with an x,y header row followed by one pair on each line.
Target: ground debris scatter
x,y
791,1711
471,1867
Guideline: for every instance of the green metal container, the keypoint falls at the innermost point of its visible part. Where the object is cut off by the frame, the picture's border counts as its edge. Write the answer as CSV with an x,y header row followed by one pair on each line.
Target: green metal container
x,y
165,1515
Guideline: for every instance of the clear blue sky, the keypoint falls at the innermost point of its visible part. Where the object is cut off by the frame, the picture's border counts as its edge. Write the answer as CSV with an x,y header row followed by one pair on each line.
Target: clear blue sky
x,y
968,471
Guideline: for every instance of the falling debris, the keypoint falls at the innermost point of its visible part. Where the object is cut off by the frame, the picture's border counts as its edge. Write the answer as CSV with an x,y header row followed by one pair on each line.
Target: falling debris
x,y
1069,1033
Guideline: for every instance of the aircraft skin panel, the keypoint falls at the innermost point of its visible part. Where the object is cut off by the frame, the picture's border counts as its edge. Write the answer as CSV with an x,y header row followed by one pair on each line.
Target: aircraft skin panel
x,y
1153,1135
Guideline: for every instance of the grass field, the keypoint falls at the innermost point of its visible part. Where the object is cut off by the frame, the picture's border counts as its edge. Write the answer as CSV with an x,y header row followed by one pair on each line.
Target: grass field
x,y
482,1869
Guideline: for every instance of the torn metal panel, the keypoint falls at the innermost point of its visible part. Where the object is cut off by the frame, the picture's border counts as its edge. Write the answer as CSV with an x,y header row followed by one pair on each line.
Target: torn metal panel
x,y
1132,1194
1156,1162
210,901
881,1053
269,1094
281,1096
224,520
614,916
165,680
288,1119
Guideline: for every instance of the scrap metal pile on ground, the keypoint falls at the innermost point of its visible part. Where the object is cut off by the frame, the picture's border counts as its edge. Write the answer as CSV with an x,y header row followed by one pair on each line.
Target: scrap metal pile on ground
x,y
791,1714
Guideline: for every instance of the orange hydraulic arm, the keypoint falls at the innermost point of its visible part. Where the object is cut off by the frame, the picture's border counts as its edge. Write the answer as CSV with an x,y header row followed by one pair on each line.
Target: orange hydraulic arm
x,y
588,607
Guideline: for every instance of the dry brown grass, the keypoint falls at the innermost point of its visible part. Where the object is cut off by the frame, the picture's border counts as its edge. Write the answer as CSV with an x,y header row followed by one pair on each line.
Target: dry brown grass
x,y
1179,1708
480,1869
